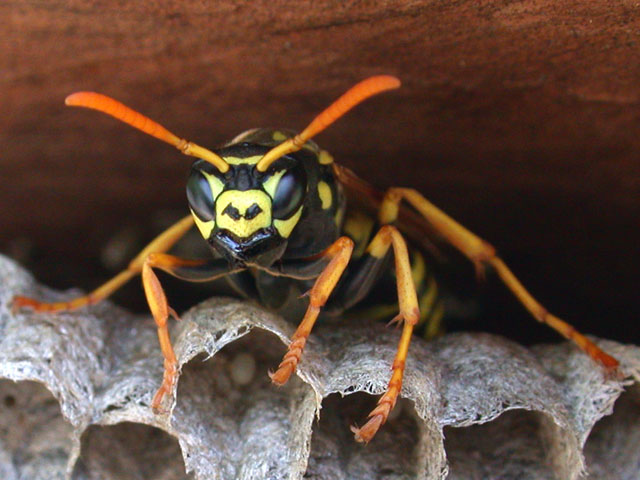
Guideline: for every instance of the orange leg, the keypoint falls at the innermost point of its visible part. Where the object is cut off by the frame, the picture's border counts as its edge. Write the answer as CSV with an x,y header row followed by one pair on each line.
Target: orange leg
x,y
161,243
482,253
409,315
339,253
151,257
160,310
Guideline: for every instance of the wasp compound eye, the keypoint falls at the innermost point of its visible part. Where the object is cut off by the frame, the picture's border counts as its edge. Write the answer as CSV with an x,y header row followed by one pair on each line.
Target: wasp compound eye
x,y
200,196
289,193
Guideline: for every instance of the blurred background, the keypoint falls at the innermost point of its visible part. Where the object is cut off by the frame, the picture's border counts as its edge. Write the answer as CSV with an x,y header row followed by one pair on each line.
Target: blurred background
x,y
521,119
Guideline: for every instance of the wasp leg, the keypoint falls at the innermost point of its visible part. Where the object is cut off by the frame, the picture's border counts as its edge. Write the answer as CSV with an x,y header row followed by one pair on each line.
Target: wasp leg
x,y
482,253
389,236
339,253
192,270
161,243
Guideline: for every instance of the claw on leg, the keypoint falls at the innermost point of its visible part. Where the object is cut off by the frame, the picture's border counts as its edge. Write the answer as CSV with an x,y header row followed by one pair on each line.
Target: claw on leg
x,y
377,417
294,352
380,413
92,298
289,362
168,381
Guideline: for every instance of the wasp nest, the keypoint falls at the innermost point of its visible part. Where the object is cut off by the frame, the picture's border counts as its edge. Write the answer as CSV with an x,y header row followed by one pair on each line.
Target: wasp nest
x,y
76,389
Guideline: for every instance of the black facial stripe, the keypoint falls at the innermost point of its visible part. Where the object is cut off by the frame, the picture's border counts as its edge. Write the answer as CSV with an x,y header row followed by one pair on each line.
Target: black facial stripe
x,y
253,211
243,179
232,212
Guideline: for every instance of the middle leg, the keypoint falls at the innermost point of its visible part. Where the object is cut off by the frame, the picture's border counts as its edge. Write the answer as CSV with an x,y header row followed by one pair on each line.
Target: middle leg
x,y
409,315
191,270
340,254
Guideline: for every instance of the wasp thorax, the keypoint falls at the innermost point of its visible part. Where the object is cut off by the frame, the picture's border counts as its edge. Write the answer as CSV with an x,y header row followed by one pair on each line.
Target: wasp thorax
x,y
243,212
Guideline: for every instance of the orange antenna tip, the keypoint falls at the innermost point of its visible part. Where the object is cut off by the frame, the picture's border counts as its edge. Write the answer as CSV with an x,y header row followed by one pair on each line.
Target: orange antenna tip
x,y
119,111
390,81
352,97
78,98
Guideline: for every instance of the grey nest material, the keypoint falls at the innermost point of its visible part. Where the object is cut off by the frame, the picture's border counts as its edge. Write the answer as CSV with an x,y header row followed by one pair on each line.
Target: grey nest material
x,y
77,386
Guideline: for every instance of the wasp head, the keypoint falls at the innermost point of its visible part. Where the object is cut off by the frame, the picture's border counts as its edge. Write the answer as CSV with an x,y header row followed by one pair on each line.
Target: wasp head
x,y
247,215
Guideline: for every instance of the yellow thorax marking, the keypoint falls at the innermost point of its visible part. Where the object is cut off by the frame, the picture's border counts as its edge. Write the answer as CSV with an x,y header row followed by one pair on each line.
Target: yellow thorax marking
x,y
418,269
279,136
243,201
325,158
324,192
358,226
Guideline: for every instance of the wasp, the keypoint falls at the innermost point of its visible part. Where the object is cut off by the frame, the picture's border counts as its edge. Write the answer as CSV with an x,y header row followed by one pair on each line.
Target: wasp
x,y
273,208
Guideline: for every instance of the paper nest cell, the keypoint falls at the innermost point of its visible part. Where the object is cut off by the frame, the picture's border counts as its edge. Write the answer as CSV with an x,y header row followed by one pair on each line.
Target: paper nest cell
x,y
76,389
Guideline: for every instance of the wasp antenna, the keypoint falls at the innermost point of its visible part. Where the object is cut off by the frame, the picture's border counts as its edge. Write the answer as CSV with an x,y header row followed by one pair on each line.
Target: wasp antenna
x,y
352,97
119,111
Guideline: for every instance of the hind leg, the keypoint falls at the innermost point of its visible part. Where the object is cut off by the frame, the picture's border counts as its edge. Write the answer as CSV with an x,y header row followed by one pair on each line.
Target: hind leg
x,y
481,254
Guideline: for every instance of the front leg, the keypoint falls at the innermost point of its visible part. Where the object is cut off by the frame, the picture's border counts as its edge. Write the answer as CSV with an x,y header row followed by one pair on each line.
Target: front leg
x,y
339,253
191,270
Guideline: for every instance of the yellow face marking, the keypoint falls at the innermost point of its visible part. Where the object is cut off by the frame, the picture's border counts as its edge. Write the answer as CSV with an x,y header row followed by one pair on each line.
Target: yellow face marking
x,y
279,136
204,227
243,203
325,158
272,182
324,192
248,160
285,227
215,183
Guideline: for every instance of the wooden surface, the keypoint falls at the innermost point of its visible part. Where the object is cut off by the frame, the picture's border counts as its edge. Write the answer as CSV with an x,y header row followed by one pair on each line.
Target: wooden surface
x,y
520,118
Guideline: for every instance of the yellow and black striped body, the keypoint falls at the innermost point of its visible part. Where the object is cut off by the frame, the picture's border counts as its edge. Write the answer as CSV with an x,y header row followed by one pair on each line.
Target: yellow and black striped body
x,y
268,231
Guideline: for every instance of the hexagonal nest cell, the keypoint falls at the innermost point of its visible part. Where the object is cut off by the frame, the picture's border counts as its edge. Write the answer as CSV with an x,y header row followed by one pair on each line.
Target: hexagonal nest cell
x,y
77,388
